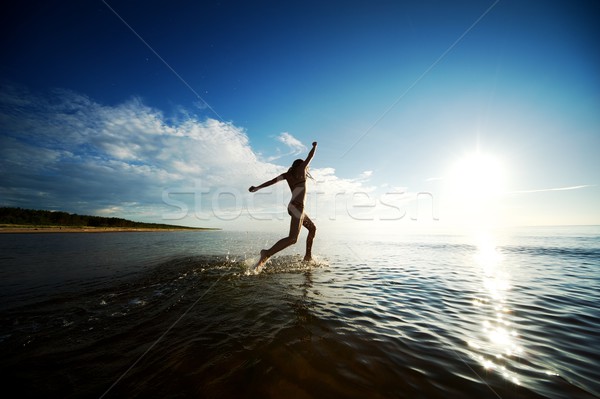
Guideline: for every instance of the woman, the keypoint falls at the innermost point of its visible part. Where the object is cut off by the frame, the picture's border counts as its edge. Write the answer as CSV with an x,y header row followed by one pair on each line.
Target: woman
x,y
296,179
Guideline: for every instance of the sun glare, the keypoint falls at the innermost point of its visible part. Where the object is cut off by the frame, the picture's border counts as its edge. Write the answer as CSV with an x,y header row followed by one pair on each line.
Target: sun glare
x,y
477,177
475,185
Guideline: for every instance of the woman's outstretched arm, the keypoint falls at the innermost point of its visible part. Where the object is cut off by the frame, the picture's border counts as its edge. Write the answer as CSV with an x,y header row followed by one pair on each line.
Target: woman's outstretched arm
x,y
267,183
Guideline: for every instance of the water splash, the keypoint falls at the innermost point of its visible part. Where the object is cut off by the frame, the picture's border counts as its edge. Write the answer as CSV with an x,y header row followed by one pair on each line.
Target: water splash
x,y
282,264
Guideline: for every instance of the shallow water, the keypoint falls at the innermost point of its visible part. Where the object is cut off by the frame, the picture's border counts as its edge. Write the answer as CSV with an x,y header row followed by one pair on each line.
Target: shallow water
x,y
171,314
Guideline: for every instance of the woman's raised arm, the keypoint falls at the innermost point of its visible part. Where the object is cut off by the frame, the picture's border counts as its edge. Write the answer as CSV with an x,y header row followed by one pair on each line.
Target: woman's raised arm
x,y
311,154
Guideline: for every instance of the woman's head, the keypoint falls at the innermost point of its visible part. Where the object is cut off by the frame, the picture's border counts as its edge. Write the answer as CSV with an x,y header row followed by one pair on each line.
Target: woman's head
x,y
296,168
297,163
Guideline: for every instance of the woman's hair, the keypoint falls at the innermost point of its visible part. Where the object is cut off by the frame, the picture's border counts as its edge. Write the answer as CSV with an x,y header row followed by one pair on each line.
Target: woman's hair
x,y
296,163
294,169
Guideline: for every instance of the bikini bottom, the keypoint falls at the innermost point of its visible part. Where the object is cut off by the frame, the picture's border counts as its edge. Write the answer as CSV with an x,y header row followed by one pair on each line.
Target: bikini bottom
x,y
295,209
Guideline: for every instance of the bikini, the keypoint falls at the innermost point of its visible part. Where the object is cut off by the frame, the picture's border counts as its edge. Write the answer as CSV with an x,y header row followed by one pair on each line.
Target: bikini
x,y
296,205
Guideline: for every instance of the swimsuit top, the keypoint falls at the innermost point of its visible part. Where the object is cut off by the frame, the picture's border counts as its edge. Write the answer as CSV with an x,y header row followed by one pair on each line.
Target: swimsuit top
x,y
298,183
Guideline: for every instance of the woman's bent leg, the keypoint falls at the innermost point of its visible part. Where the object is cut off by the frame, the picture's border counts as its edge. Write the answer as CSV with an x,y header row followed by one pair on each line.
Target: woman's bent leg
x,y
312,230
295,225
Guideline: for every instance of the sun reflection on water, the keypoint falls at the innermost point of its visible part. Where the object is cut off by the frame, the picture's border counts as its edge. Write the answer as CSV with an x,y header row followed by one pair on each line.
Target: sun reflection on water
x,y
496,345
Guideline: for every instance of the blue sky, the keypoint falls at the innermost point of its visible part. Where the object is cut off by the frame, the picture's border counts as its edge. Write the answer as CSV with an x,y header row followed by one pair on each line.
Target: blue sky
x,y
157,111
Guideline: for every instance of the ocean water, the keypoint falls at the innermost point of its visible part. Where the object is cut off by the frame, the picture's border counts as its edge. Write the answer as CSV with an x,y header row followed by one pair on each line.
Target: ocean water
x,y
514,314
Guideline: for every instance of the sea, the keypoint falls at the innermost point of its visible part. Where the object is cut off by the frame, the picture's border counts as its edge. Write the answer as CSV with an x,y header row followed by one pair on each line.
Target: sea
x,y
503,314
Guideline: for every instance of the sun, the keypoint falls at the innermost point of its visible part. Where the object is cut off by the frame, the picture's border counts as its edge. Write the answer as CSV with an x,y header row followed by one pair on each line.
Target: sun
x,y
475,185
477,177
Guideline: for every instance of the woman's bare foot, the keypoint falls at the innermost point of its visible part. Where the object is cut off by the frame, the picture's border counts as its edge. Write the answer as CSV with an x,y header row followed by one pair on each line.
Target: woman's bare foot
x,y
263,259
308,258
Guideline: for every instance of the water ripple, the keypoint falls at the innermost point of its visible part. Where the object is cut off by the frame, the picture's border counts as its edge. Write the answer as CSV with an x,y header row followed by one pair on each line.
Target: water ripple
x,y
404,320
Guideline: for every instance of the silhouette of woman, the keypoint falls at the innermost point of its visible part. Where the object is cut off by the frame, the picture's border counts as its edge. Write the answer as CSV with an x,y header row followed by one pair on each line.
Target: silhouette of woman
x,y
296,179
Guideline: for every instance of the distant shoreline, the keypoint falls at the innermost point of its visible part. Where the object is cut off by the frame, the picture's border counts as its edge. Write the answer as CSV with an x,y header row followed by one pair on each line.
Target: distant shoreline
x,y
19,229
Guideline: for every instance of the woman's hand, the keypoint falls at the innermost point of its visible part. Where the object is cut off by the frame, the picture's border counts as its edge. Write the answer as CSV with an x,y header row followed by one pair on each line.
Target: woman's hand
x,y
252,189
314,144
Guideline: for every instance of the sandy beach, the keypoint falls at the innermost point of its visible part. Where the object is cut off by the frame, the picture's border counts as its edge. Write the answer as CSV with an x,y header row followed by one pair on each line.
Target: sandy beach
x,y
84,229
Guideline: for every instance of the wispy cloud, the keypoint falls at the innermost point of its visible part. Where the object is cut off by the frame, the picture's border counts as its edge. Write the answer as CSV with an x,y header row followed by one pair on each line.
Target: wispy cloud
x,y
365,175
552,189
295,146
291,142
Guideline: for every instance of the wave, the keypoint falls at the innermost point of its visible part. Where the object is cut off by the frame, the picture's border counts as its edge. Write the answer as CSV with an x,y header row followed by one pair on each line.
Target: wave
x,y
563,252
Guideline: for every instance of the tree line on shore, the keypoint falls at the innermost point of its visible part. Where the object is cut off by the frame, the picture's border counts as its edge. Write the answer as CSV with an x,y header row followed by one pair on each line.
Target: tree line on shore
x,y
32,217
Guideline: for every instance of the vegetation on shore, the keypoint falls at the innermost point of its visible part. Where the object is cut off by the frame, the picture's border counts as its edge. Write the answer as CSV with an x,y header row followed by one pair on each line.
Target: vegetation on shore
x,y
23,218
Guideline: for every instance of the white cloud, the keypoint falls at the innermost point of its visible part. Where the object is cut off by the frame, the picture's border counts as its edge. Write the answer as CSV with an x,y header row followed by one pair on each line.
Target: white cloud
x,y
366,175
63,150
86,156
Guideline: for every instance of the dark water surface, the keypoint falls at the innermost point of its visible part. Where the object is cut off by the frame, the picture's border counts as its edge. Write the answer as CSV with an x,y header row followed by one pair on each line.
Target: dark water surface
x,y
177,314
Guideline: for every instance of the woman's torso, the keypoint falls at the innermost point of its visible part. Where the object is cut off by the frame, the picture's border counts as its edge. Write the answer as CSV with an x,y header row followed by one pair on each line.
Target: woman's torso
x,y
297,183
